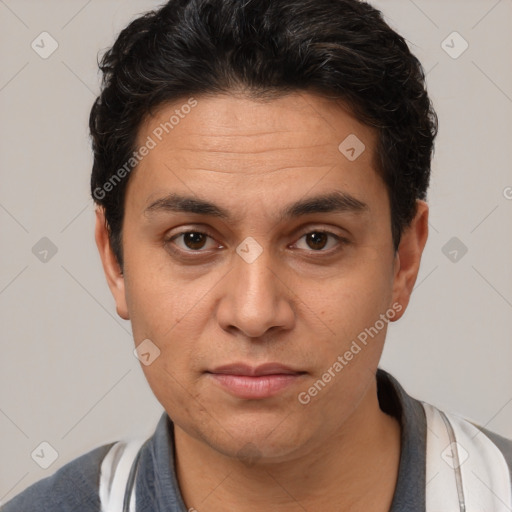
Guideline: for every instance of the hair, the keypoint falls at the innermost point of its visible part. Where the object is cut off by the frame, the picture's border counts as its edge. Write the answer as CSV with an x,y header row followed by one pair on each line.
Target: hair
x,y
339,49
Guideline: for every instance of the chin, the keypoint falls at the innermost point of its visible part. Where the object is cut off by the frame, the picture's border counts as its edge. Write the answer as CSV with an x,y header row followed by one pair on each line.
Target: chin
x,y
254,437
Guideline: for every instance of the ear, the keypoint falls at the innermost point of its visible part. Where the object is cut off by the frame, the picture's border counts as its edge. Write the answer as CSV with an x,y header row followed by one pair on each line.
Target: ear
x,y
408,257
113,273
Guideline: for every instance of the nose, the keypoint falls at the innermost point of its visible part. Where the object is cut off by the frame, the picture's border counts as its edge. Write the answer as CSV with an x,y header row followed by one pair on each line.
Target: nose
x,y
255,298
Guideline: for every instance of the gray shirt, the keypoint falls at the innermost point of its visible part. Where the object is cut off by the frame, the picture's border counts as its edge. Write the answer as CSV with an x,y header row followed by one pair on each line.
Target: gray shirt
x,y
75,486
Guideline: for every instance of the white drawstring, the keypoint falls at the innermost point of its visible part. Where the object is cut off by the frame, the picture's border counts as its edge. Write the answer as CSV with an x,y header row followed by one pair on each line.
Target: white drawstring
x,y
118,471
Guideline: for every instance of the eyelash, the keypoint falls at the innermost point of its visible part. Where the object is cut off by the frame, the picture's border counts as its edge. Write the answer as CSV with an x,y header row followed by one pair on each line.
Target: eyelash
x,y
168,241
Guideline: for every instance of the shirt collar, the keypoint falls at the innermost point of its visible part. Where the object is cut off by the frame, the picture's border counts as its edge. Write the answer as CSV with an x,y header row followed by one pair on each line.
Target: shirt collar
x,y
411,482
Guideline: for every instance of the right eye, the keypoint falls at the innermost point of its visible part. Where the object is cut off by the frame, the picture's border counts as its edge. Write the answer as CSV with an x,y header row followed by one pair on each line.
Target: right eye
x,y
191,242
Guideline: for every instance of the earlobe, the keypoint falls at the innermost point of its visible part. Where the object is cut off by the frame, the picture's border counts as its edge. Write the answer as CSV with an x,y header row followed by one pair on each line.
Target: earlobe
x,y
408,257
113,273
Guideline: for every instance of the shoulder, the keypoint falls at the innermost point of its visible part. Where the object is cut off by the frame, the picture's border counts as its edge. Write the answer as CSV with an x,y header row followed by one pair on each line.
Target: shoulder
x,y
477,437
477,460
73,487
503,444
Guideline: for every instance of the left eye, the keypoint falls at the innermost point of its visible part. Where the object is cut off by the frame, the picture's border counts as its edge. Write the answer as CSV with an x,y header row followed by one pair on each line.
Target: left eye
x,y
318,241
192,240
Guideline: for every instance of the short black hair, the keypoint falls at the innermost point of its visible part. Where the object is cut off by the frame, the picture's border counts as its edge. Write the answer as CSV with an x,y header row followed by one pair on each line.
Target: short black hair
x,y
339,49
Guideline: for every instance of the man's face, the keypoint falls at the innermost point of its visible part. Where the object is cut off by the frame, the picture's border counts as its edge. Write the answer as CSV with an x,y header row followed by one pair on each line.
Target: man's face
x,y
269,271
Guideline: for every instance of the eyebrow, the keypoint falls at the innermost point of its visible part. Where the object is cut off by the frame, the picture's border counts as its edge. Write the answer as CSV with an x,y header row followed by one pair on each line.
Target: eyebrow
x,y
333,202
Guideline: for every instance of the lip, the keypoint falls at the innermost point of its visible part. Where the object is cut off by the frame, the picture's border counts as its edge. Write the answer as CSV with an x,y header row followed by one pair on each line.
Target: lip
x,y
256,383
255,371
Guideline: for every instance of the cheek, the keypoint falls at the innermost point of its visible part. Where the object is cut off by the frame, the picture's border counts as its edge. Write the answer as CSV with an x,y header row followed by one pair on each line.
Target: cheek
x,y
357,310
176,393
171,312
157,295
354,300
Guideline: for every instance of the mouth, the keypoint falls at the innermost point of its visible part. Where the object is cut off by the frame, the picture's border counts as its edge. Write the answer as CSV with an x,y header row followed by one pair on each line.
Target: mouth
x,y
255,383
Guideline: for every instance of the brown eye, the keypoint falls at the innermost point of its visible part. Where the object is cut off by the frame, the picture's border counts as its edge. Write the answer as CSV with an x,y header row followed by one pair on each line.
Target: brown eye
x,y
317,240
194,240
191,241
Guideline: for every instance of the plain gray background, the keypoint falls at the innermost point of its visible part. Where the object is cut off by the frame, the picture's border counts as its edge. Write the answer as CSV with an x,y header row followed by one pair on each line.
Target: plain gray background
x,y
67,371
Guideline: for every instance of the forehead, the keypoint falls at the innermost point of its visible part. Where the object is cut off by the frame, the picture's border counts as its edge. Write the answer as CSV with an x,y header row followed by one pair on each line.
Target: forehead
x,y
234,144
219,122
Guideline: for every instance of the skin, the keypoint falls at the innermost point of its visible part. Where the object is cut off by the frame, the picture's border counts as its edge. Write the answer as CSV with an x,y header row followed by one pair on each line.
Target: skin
x,y
298,303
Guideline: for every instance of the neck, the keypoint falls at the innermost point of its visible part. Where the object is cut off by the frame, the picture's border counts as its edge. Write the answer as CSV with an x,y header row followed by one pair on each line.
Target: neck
x,y
334,475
